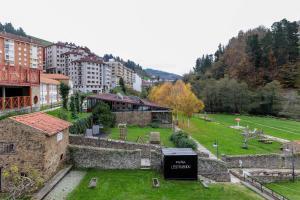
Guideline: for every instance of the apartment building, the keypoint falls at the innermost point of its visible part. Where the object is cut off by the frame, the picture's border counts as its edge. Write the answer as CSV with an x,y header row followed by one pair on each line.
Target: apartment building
x,y
90,74
21,62
86,70
118,70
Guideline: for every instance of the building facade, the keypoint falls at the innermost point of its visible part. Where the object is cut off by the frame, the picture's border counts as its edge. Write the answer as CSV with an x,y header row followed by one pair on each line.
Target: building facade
x,y
34,141
21,62
118,71
137,83
49,91
87,70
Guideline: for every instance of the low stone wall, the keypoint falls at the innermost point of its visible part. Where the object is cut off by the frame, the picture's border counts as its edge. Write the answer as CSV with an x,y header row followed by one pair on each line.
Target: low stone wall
x,y
263,161
113,144
103,158
213,169
141,118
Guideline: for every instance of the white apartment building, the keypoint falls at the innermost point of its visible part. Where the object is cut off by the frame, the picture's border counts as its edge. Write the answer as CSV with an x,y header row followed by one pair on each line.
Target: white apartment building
x,y
118,70
137,83
86,70
89,74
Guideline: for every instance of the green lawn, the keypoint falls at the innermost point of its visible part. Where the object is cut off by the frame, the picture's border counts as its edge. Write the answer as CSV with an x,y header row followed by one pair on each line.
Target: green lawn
x,y
55,113
282,128
133,132
230,140
289,189
137,185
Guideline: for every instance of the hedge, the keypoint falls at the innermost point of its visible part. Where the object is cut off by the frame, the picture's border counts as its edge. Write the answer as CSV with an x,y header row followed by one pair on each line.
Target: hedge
x,y
182,140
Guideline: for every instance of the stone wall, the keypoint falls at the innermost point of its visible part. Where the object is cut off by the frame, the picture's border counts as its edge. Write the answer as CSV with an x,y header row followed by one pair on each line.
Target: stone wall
x,y
141,118
267,161
213,169
104,158
113,144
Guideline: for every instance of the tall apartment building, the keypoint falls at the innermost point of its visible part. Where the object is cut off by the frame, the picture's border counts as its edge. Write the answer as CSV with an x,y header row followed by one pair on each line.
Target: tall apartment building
x,y
21,62
90,74
118,70
87,71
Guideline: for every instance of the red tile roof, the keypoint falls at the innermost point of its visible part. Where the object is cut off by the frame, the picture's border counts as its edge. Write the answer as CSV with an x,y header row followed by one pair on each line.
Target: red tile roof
x,y
20,38
56,76
46,80
41,121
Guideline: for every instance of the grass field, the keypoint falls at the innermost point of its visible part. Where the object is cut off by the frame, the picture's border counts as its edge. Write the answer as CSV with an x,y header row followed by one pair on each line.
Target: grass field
x,y
229,140
282,128
133,132
137,185
55,113
289,189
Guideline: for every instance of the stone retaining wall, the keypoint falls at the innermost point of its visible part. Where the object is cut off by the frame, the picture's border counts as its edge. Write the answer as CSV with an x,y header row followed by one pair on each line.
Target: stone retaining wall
x,y
141,118
103,158
213,169
263,161
113,144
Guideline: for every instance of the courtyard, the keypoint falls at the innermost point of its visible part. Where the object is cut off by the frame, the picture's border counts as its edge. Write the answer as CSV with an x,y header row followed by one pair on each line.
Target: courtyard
x,y
137,185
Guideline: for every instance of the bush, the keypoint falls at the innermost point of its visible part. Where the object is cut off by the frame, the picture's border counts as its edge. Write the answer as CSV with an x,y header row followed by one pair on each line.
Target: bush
x,y
154,125
182,140
103,115
81,125
62,114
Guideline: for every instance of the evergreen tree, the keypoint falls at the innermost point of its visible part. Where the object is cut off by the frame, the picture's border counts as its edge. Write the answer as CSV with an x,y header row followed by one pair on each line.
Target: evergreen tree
x,y
122,85
73,107
64,93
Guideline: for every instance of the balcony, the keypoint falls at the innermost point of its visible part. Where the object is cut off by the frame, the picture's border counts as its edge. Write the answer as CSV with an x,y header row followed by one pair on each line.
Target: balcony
x,y
19,76
10,103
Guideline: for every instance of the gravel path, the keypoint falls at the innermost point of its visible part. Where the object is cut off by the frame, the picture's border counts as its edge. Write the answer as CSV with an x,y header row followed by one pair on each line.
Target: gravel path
x,y
65,186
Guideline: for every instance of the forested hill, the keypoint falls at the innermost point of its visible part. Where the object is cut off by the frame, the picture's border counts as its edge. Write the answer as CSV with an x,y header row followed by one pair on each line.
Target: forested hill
x,y
257,72
257,57
162,74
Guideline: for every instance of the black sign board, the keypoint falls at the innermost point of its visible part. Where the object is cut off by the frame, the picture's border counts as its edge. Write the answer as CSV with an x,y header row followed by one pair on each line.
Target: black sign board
x,y
180,163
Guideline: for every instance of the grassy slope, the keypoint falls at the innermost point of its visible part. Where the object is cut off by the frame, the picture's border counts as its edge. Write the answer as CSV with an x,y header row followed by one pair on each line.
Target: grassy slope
x,y
282,128
133,132
230,140
289,189
136,185
56,112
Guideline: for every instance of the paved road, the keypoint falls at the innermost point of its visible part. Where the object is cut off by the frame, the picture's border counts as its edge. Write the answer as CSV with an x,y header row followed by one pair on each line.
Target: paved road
x,y
66,185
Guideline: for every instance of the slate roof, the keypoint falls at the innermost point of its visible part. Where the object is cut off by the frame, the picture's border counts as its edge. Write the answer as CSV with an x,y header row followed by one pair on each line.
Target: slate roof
x,y
41,121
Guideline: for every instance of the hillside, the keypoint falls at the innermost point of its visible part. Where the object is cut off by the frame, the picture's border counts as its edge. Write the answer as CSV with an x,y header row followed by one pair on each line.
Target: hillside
x,y
162,74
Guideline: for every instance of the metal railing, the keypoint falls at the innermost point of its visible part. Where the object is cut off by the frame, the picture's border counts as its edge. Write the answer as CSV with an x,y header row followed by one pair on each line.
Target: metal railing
x,y
14,102
254,182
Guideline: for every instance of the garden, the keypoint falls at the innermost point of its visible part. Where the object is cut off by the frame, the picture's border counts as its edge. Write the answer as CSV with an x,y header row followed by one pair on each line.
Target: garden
x,y
137,185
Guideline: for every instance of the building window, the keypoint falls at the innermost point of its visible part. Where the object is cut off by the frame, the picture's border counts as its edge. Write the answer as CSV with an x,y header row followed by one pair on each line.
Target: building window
x,y
7,148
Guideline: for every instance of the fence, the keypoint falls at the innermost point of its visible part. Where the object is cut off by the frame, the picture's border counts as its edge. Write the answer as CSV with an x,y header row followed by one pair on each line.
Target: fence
x,y
14,102
254,182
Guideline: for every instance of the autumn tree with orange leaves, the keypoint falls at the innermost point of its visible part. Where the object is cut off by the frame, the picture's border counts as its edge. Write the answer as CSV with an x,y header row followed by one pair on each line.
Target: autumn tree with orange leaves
x,y
178,96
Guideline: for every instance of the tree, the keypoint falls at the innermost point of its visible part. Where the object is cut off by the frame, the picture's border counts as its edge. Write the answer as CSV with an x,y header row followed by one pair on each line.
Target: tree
x,y
178,96
102,115
64,93
77,100
122,85
19,184
73,107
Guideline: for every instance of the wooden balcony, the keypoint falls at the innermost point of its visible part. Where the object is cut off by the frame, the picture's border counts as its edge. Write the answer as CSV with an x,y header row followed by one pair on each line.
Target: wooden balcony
x,y
10,103
19,76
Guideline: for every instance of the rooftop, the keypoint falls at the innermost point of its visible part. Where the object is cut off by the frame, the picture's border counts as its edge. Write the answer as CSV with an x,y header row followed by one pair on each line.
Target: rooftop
x,y
178,151
46,123
124,99
20,38
56,76
46,80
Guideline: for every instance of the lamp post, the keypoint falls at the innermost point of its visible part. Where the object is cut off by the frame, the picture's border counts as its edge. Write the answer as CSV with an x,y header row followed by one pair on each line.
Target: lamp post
x,y
293,160
215,145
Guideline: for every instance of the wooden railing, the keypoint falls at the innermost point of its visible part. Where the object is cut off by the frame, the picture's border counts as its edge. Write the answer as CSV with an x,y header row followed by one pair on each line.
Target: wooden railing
x,y
14,102
11,75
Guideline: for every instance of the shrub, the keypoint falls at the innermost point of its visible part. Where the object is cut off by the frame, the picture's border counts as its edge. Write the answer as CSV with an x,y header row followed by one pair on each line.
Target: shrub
x,y
81,125
182,140
154,125
62,114
103,115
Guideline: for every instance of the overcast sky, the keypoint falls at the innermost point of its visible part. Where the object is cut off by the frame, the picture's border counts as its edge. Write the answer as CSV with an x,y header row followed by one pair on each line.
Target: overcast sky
x,y
162,34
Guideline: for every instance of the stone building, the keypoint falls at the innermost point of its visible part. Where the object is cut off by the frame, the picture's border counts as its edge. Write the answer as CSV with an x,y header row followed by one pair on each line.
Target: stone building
x,y
36,141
